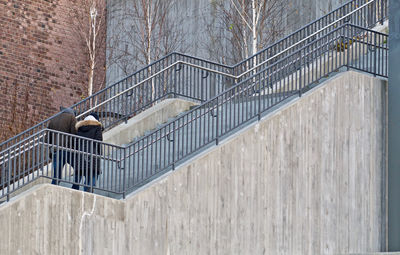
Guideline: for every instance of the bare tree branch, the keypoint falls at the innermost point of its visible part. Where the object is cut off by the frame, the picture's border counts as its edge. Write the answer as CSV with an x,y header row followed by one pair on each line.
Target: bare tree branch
x,y
249,25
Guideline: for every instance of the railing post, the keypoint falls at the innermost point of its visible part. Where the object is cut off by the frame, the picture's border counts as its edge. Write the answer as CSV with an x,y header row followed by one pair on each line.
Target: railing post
x,y
349,35
216,125
173,144
300,74
57,159
9,176
124,174
375,54
175,80
126,105
259,100
92,165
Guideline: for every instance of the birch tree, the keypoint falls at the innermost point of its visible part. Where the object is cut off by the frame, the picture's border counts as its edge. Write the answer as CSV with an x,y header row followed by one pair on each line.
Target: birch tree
x,y
151,31
249,24
88,25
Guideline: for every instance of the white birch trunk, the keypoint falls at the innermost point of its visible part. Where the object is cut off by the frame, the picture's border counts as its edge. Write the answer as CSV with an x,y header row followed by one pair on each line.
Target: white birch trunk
x,y
149,38
245,44
92,50
254,31
91,74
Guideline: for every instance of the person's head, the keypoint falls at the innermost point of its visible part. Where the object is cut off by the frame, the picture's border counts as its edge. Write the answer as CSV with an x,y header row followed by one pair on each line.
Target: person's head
x,y
67,110
95,115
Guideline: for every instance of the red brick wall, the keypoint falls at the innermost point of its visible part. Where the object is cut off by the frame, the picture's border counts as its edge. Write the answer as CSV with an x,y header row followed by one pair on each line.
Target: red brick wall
x,y
42,63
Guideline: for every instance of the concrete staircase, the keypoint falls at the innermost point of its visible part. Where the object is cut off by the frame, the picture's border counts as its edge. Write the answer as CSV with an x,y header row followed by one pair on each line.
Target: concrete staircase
x,y
308,178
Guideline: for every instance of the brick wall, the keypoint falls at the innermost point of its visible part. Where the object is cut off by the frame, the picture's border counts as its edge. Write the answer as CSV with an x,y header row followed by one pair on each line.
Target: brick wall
x,y
42,63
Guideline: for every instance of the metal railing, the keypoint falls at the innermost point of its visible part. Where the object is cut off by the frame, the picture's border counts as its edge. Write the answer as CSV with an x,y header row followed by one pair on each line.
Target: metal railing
x,y
80,156
144,88
179,75
125,168
364,13
347,46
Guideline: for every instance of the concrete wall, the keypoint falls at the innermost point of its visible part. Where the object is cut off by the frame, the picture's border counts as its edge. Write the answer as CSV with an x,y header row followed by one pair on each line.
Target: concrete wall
x,y
308,179
302,12
194,17
55,220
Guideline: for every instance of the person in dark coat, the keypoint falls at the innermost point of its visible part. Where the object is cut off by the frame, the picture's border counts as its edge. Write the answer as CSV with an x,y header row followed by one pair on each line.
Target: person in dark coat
x,y
64,122
88,165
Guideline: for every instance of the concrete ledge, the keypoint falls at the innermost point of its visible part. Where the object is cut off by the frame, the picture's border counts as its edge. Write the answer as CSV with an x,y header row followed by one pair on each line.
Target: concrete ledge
x,y
145,121
378,253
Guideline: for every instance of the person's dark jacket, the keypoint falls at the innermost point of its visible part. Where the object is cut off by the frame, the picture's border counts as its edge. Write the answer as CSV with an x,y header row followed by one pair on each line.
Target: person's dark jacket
x,y
89,129
64,122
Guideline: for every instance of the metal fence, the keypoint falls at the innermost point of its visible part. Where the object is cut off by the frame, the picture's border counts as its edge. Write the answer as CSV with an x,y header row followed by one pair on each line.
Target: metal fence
x,y
347,46
124,168
179,75
364,13
173,75
34,157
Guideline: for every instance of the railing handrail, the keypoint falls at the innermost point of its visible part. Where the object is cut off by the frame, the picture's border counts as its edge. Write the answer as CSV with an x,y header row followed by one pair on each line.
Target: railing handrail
x,y
152,76
42,133
154,63
111,87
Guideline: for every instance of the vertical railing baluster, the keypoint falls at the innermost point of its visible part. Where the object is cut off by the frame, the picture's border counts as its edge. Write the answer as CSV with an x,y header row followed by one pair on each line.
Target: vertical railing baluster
x,y
348,36
375,46
259,95
124,175
216,124
173,143
9,175
91,168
